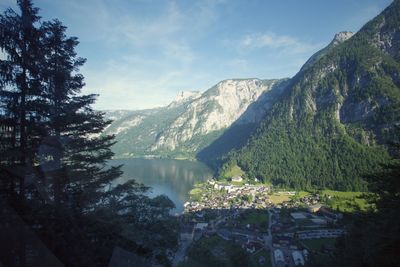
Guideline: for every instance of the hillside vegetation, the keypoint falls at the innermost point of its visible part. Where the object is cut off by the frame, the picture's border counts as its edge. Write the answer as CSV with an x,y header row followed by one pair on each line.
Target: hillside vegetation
x,y
332,121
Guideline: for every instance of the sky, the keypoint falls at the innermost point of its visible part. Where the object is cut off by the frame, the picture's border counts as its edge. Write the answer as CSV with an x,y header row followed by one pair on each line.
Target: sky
x,y
141,53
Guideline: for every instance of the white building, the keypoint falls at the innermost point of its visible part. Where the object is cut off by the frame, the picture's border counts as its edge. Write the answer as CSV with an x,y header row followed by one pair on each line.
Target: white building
x,y
298,215
200,226
237,179
278,256
319,221
297,258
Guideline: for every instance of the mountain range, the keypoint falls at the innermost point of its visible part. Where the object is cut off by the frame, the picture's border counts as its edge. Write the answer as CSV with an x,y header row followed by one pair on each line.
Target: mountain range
x,y
192,121
325,127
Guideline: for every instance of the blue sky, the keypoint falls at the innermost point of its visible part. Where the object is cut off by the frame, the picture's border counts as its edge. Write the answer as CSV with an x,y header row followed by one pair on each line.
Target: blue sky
x,y
141,53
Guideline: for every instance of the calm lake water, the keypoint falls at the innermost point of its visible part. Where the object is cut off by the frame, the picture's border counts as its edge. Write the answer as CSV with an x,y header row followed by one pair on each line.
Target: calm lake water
x,y
174,178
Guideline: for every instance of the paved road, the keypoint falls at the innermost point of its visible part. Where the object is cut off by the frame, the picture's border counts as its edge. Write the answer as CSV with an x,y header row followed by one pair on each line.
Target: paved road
x,y
287,253
269,239
185,241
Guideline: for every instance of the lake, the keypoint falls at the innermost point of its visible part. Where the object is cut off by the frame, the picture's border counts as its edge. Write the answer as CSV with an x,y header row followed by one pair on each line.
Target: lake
x,y
173,178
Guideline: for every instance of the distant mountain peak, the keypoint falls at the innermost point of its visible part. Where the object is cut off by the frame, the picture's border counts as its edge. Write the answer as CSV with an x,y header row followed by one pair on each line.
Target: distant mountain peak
x,y
193,120
186,95
336,117
340,37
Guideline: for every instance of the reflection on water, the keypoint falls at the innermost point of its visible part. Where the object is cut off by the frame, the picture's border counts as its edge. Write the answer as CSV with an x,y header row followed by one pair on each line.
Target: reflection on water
x,y
174,178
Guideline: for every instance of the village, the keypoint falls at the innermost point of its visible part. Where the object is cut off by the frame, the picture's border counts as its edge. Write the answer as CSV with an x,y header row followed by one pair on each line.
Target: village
x,y
274,228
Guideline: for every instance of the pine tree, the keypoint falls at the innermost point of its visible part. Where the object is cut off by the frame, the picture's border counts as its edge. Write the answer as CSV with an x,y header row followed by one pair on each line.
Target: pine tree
x,y
50,130
20,84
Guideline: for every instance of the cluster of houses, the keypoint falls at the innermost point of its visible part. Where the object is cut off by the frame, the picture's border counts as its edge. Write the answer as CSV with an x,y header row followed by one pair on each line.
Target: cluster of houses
x,y
309,200
320,233
290,228
289,244
298,256
288,239
227,196
247,237
249,240
220,206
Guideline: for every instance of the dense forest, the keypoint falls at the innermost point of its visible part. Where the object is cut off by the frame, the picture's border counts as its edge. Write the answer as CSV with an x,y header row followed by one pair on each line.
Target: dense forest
x,y
58,203
373,237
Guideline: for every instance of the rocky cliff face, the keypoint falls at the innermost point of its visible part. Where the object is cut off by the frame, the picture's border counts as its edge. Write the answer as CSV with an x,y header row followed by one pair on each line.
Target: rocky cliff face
x,y
184,96
339,38
244,126
192,121
213,111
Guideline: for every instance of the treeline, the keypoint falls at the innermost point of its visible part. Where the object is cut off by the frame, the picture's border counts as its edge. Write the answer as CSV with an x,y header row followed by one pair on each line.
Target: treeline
x,y
54,178
372,236
301,157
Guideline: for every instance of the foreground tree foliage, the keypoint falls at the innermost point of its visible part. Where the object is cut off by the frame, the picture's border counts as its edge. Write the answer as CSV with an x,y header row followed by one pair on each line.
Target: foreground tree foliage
x,y
55,184
374,237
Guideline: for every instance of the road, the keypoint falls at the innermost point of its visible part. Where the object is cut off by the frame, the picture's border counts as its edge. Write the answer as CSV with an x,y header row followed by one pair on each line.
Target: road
x,y
268,239
185,241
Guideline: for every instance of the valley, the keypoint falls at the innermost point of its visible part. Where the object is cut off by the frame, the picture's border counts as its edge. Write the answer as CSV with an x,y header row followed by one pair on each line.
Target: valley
x,y
193,120
298,167
323,128
279,150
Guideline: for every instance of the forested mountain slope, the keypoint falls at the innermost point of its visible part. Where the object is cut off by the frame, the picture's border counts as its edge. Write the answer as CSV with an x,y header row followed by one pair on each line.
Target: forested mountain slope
x,y
136,131
237,134
329,125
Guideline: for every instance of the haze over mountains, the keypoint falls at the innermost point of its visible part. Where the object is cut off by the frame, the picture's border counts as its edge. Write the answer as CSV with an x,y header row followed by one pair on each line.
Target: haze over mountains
x,y
193,120
324,127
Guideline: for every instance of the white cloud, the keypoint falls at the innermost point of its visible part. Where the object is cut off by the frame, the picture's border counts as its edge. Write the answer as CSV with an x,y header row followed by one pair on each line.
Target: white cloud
x,y
139,60
115,25
136,83
156,56
271,40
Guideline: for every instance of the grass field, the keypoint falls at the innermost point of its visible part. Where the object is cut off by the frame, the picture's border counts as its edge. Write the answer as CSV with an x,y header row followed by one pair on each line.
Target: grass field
x,y
317,244
302,194
342,194
214,251
346,201
279,198
195,194
234,171
258,218
339,200
255,258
